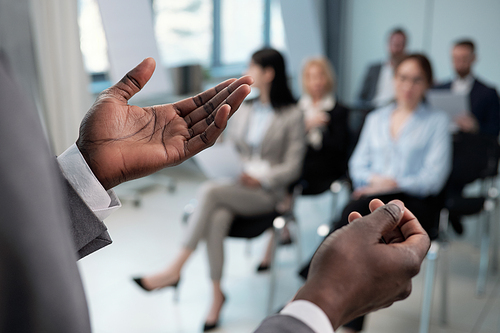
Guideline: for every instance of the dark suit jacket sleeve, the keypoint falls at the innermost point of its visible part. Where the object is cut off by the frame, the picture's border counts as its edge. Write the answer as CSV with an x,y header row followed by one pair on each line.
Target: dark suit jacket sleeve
x,y
89,233
40,287
485,106
283,324
369,87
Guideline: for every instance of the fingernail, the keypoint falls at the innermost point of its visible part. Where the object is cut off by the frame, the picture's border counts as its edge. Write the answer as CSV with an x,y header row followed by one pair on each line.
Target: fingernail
x,y
399,204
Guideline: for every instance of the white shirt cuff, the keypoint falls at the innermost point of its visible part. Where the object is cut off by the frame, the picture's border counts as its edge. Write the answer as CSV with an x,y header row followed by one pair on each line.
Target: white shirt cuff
x,y
310,314
82,179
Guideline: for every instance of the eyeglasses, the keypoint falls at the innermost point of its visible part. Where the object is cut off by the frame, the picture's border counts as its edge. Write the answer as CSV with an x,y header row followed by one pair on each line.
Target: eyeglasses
x,y
417,80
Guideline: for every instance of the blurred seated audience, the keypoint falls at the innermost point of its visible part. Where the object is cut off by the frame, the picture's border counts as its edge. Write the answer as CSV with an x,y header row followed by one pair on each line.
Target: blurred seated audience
x,y
269,135
378,86
404,152
478,128
327,137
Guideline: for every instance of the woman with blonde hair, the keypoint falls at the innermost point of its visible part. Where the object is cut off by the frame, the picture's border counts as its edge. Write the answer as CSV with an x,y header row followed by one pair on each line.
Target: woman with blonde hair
x,y
327,136
326,123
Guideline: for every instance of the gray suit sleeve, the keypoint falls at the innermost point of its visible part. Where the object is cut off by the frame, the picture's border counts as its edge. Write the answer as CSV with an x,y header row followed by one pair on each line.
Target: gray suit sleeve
x,y
40,287
89,233
283,324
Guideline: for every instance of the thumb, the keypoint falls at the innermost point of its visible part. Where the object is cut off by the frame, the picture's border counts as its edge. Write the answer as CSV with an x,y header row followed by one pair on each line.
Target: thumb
x,y
385,218
134,80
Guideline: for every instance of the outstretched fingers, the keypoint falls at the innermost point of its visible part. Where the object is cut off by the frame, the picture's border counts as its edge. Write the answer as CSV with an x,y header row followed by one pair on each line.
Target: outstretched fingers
x,y
188,105
234,100
195,108
208,137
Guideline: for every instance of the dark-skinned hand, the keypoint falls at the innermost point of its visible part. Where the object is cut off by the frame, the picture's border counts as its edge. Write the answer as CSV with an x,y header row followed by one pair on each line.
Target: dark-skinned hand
x,y
353,272
121,142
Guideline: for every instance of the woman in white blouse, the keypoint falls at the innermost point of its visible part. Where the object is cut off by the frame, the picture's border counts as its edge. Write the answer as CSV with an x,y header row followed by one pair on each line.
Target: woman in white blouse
x,y
404,151
268,133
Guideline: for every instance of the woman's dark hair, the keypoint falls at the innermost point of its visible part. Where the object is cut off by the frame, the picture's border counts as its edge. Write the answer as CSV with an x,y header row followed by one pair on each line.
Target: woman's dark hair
x,y
422,61
281,95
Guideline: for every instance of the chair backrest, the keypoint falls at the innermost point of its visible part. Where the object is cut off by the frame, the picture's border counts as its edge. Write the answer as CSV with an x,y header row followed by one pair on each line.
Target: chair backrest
x,y
436,205
474,156
254,226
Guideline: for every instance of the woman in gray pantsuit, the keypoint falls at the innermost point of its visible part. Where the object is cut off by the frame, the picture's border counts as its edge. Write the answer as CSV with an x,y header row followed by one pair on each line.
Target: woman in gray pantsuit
x,y
269,135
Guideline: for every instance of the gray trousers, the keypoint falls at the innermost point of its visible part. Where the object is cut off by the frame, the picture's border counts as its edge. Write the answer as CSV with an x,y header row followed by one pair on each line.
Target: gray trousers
x,y
218,203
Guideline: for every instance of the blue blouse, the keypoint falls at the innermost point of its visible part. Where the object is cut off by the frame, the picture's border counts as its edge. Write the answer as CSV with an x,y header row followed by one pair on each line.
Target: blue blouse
x,y
419,160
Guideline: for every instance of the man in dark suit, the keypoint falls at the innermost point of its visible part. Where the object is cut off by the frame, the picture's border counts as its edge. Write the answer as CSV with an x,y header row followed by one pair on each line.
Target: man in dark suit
x,y
47,220
477,137
377,89
483,115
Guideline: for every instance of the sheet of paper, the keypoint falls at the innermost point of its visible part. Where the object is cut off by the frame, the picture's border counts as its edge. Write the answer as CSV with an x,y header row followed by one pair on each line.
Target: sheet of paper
x,y
453,104
220,161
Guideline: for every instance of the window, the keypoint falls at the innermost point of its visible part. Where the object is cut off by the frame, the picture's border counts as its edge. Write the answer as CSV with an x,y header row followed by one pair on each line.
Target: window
x,y
220,35
242,29
277,29
184,31
92,38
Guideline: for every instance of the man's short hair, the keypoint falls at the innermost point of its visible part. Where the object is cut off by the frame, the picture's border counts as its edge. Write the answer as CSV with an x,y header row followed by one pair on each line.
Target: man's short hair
x,y
467,43
398,31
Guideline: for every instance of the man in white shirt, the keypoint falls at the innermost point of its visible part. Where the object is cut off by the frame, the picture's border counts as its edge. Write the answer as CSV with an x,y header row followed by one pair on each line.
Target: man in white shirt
x,y
378,89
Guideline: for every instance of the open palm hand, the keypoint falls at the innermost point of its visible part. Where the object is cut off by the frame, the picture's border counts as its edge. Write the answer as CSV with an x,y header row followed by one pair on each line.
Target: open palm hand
x,y
121,142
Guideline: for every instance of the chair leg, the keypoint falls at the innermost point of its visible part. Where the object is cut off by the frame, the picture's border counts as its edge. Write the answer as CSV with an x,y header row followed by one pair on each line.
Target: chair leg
x,y
430,273
272,281
480,225
334,207
494,232
485,249
248,248
297,240
444,265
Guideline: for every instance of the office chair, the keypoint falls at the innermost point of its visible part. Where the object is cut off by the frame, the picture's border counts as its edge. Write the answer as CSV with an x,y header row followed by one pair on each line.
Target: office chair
x,y
249,227
476,159
489,151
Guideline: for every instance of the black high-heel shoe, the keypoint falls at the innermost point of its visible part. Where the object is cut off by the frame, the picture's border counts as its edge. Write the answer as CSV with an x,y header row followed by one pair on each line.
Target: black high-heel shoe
x,y
208,327
173,285
263,268
140,284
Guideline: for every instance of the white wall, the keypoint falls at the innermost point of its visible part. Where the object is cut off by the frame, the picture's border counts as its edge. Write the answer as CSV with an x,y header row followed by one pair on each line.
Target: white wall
x,y
479,20
432,26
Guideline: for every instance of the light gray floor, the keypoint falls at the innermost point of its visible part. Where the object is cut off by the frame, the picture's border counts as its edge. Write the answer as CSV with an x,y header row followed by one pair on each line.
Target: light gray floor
x,y
147,237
